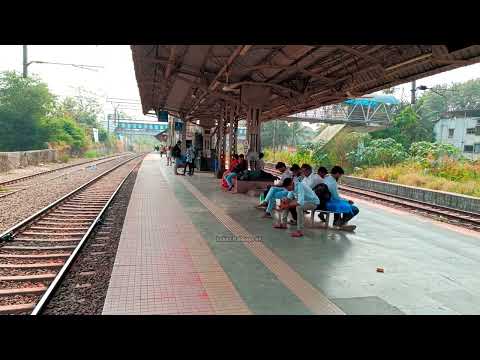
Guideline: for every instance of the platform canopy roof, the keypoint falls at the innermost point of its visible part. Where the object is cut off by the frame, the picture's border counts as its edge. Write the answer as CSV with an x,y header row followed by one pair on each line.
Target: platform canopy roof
x,y
193,82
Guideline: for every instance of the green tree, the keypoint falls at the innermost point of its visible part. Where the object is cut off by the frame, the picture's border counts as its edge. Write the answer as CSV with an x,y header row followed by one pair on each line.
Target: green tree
x,y
282,134
64,130
452,97
408,127
84,110
298,133
23,103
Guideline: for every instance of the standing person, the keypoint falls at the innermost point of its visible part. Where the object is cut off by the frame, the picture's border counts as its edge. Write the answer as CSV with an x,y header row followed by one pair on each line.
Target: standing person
x,y
194,151
188,160
169,156
241,167
176,155
344,209
301,198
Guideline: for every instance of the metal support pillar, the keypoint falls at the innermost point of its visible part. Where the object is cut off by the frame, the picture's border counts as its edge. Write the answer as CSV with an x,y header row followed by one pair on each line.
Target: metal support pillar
x,y
184,137
253,131
221,144
254,97
231,114
233,131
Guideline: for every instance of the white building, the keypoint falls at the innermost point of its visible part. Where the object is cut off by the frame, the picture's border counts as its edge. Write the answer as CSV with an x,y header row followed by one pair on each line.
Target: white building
x,y
462,130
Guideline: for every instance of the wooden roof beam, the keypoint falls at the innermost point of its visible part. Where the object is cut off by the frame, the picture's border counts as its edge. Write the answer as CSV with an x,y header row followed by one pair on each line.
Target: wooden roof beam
x,y
171,62
360,54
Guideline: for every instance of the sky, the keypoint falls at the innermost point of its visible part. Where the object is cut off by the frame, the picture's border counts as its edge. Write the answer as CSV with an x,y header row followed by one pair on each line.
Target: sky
x,y
117,78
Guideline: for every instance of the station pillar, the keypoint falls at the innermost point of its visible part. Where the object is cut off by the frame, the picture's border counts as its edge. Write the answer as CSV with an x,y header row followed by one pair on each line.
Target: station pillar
x,y
254,97
221,143
232,141
183,137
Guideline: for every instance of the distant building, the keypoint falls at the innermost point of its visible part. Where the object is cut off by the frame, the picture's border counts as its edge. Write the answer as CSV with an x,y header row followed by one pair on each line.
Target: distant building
x,y
462,130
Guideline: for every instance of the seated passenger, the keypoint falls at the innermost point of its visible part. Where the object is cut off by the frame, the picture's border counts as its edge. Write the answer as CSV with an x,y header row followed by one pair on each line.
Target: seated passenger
x,y
344,208
301,198
279,192
285,173
310,178
260,163
233,163
322,172
240,167
322,192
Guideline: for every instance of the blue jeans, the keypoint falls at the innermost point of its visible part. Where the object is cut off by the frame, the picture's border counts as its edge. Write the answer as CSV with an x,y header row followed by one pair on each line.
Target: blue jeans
x,y
229,177
274,193
346,217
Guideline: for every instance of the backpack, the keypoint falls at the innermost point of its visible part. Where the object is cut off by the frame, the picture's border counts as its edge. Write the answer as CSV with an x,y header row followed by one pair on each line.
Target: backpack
x,y
321,190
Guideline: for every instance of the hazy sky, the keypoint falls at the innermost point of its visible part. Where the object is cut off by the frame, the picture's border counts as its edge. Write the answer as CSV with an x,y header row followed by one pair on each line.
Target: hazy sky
x,y
117,79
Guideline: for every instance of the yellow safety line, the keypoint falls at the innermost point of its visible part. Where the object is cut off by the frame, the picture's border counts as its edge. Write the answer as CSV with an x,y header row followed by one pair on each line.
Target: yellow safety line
x,y
308,294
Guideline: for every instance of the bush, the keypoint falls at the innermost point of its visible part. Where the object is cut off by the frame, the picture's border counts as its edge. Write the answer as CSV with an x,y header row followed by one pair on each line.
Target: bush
x,y
378,152
90,154
64,130
64,158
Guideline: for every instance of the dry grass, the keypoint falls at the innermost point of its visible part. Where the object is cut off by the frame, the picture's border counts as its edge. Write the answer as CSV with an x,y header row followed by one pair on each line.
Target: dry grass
x,y
455,177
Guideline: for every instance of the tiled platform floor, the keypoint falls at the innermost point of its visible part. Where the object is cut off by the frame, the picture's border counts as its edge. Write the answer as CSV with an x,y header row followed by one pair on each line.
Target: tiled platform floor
x,y
177,256
163,265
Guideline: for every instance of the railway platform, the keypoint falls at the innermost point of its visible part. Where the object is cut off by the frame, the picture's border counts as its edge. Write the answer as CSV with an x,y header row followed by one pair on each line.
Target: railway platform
x,y
189,248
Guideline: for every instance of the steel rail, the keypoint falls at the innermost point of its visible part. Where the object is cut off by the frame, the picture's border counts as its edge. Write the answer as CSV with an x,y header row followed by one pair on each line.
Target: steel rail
x,y
52,286
26,177
9,233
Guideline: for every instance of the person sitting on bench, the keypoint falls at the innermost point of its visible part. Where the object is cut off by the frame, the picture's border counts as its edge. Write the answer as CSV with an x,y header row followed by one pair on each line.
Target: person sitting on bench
x,y
270,192
279,192
344,209
235,161
242,166
310,178
322,192
301,198
260,163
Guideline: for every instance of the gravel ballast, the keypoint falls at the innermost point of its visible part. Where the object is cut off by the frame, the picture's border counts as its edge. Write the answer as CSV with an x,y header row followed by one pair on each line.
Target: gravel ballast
x,y
84,288
21,205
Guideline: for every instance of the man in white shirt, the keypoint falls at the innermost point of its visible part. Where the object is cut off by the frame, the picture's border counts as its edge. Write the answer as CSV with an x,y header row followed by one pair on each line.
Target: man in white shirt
x,y
310,178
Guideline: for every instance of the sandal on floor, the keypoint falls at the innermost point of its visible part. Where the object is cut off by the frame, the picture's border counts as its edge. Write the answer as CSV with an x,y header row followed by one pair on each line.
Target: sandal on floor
x,y
266,216
279,226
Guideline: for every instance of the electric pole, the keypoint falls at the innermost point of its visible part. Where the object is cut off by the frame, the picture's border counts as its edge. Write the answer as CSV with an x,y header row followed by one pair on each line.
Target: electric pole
x,y
414,85
274,135
25,61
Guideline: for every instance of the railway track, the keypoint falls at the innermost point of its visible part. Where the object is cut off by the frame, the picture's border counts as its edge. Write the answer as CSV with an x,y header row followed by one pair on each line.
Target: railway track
x,y
441,211
36,253
13,186
459,217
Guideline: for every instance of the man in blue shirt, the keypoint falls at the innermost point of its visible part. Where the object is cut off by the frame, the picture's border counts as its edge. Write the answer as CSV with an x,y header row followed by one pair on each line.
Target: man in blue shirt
x,y
344,209
302,198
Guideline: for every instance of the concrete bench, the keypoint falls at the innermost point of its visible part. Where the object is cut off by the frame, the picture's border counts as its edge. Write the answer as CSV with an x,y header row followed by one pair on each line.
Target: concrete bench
x,y
242,187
